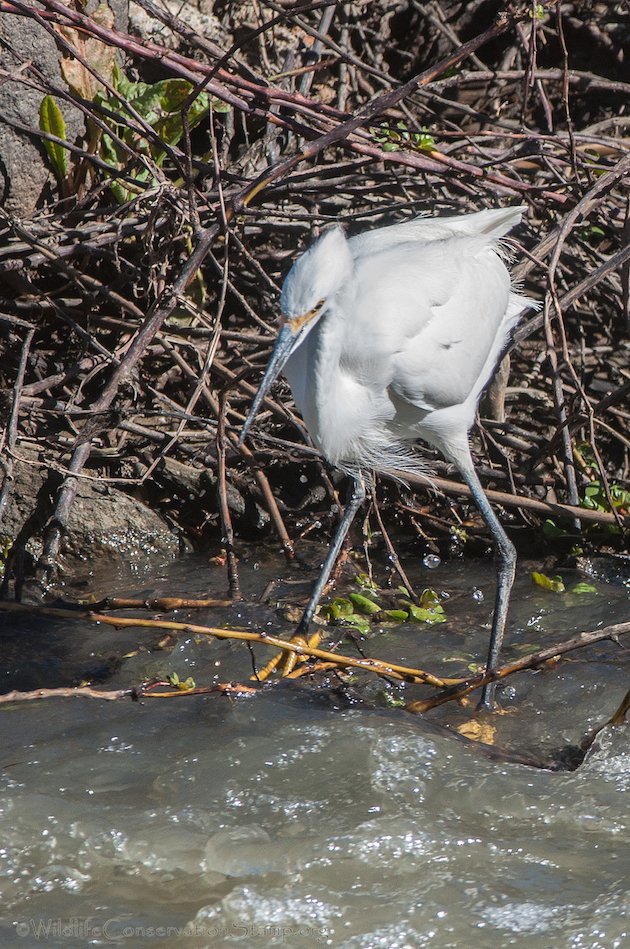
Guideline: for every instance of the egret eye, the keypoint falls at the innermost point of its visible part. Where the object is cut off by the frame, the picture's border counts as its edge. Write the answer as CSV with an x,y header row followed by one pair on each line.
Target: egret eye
x,y
297,322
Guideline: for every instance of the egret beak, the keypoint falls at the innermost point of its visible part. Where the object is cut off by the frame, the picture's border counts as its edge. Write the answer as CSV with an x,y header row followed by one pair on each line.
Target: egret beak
x,y
288,339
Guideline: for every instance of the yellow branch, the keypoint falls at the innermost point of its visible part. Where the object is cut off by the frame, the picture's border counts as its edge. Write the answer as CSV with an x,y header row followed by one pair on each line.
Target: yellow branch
x,y
376,666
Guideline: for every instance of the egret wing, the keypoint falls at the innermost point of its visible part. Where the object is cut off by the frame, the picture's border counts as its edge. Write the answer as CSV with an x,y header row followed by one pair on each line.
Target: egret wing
x,y
492,224
452,355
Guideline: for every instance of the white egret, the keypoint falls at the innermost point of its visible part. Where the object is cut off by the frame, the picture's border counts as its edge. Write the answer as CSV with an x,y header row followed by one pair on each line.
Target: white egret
x,y
392,336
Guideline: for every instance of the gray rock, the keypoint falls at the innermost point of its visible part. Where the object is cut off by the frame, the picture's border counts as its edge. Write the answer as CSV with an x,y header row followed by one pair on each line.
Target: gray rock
x,y
103,522
25,173
197,15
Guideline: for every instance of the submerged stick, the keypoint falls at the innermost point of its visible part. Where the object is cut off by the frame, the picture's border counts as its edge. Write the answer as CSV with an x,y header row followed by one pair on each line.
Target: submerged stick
x,y
377,666
526,662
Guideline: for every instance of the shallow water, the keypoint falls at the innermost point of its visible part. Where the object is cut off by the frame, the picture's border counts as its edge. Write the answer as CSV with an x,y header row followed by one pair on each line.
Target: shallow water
x,y
312,815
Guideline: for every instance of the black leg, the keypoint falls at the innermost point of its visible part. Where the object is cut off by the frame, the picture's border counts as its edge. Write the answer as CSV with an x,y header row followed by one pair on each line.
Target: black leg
x,y
506,567
356,500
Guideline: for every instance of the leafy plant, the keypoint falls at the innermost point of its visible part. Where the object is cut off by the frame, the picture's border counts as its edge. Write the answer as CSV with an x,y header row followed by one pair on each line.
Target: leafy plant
x,y
160,105
394,138
429,610
595,498
184,685
357,610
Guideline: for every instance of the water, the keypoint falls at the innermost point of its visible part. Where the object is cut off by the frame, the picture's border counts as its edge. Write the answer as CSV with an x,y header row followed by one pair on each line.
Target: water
x,y
307,815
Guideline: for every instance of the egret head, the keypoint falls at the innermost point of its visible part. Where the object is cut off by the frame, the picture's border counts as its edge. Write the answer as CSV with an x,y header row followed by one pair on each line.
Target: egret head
x,y
315,277
313,280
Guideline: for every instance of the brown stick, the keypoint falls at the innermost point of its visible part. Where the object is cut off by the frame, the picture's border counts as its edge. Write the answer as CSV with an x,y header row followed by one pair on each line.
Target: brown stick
x,y
377,666
531,661
565,511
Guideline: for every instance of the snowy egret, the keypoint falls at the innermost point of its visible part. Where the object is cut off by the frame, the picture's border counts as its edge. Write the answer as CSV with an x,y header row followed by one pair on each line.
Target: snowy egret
x,y
392,336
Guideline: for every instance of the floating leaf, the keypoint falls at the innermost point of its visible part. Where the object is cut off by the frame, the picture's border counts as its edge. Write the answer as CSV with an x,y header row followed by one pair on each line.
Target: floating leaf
x,y
392,701
365,582
363,604
429,597
340,606
429,610
583,587
422,614
52,122
555,584
396,616
356,622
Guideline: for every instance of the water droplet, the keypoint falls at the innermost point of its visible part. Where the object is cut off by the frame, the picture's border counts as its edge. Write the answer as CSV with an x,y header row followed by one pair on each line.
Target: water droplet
x,y
431,561
477,595
256,566
303,479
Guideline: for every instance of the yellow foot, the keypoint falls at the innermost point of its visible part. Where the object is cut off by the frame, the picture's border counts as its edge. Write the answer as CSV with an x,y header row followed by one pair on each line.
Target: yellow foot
x,y
288,657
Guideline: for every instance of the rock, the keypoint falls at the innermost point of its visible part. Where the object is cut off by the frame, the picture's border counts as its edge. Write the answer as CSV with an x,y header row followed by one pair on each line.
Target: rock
x,y
25,172
103,522
197,15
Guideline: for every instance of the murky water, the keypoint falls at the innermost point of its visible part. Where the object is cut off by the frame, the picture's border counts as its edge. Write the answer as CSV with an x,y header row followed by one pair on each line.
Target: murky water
x,y
312,816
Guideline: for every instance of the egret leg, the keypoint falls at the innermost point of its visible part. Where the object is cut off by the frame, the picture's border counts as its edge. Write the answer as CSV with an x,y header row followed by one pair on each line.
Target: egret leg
x,y
356,500
505,554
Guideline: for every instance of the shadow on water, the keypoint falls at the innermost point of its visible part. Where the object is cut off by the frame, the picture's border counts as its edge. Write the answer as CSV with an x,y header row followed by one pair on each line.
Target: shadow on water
x,y
317,813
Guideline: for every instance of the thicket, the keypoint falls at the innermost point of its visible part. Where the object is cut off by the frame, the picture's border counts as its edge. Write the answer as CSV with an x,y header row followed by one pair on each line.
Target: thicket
x,y
139,302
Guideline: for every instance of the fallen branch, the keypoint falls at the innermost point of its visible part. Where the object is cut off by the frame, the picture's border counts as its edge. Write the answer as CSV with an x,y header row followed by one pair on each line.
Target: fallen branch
x,y
135,693
531,661
545,508
376,666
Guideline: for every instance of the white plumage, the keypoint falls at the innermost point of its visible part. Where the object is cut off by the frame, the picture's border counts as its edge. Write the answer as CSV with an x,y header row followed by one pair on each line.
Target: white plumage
x,y
391,336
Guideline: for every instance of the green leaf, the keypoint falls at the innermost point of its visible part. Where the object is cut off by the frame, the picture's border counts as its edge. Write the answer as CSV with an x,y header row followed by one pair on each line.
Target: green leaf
x,y
595,497
364,582
356,622
184,685
396,616
219,106
583,587
336,609
363,604
160,105
429,598
431,615
123,85
554,584
52,122
551,530
392,701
